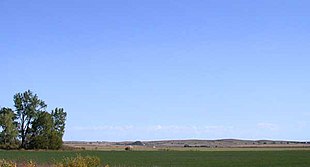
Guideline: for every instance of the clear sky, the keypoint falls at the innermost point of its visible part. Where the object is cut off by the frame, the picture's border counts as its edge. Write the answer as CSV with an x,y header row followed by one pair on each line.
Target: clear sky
x,y
162,69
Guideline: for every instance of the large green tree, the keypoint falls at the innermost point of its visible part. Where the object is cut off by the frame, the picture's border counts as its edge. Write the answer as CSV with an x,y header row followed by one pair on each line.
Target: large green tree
x,y
8,136
31,126
59,120
41,131
59,123
27,105
48,130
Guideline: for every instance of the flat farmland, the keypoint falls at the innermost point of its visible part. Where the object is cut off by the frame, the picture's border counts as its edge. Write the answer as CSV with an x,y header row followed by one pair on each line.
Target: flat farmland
x,y
222,158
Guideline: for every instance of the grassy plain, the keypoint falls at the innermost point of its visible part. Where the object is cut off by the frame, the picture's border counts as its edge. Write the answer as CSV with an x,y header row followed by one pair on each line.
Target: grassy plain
x,y
220,158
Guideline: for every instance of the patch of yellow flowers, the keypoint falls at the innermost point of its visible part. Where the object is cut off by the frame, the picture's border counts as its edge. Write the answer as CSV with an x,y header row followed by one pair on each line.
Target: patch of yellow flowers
x,y
6,163
78,161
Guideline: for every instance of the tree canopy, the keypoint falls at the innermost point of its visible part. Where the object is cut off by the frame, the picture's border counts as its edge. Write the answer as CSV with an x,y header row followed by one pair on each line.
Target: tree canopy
x,y
30,125
8,136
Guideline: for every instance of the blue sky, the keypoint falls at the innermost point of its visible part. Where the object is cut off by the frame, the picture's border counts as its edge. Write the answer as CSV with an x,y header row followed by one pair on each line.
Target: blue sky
x,y
162,69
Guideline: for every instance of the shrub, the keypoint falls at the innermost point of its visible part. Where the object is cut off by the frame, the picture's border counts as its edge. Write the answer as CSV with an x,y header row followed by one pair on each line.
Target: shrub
x,y
5,163
128,148
79,161
30,164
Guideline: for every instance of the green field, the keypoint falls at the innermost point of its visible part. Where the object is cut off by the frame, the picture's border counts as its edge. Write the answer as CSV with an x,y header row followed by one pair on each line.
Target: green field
x,y
284,158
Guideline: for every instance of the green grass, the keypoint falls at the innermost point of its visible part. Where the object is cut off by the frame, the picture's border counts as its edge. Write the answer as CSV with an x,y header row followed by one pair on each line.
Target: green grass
x,y
284,158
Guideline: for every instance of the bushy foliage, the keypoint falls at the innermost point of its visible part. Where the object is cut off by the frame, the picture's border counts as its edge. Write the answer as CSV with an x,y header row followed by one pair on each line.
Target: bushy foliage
x,y
5,163
30,164
10,146
45,133
79,161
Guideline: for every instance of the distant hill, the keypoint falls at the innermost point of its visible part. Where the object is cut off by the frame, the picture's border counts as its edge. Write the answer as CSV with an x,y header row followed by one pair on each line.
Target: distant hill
x,y
221,143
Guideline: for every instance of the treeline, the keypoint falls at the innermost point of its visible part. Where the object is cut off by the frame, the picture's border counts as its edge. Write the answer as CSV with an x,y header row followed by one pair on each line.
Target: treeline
x,y
29,125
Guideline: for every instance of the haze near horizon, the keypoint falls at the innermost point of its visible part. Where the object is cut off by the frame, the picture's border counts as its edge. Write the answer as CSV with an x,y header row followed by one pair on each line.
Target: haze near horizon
x,y
149,70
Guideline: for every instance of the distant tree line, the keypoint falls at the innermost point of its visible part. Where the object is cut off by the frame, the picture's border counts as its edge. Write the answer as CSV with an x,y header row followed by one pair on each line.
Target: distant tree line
x,y
29,125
